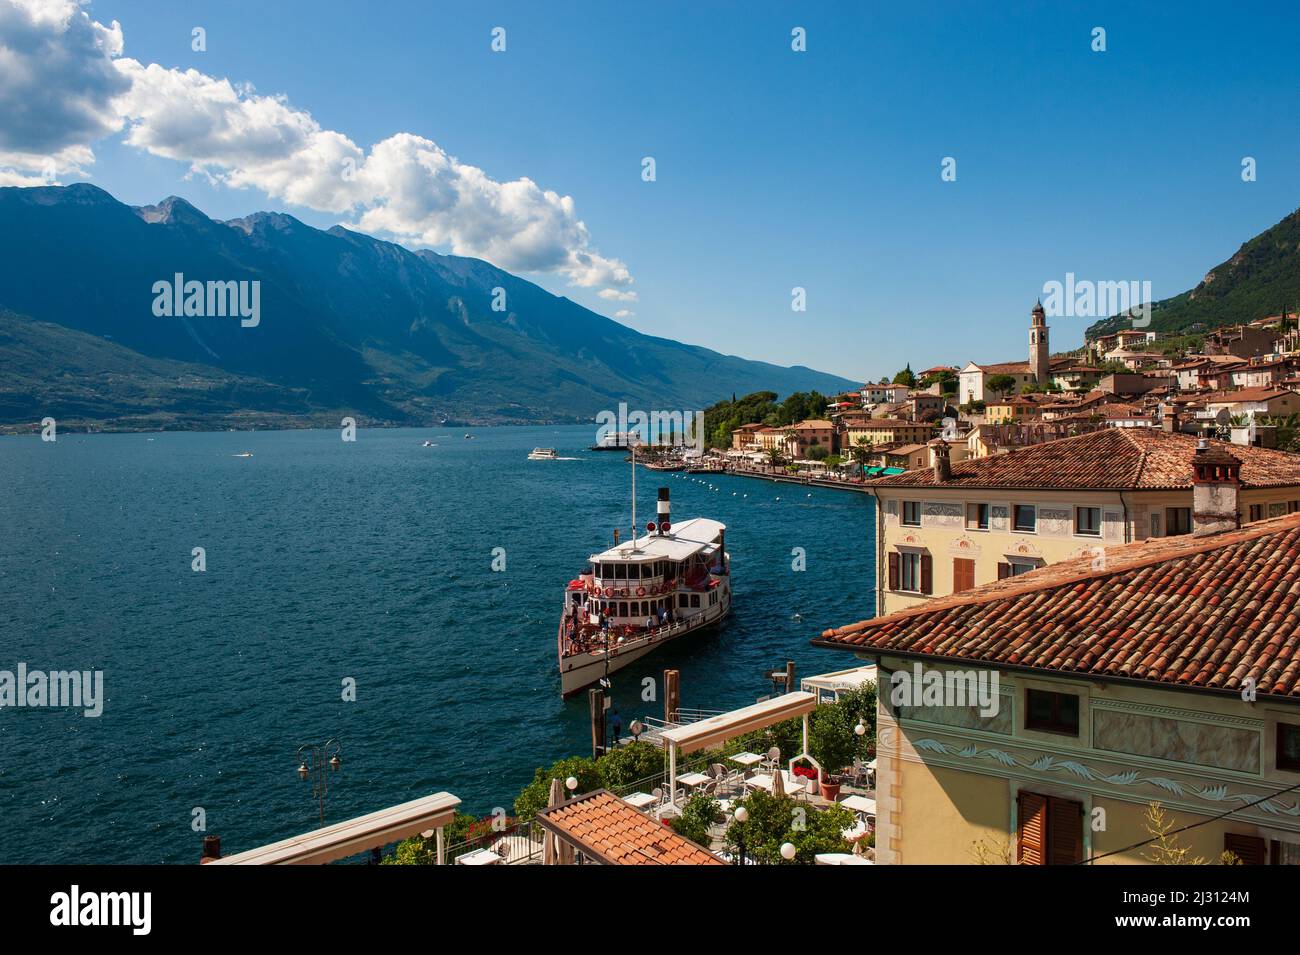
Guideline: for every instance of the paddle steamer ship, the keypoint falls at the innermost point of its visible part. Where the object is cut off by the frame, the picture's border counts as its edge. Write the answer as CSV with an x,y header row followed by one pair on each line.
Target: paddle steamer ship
x,y
641,594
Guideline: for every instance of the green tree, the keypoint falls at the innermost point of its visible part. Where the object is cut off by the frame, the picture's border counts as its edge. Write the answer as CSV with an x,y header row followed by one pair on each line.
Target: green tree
x,y
630,764
1002,384
905,377
697,817
536,794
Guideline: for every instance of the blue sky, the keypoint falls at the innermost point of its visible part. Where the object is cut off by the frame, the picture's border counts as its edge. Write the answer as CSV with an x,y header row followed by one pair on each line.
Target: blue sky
x,y
778,169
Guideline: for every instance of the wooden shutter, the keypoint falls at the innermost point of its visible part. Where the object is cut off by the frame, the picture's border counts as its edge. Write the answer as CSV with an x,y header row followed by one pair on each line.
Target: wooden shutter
x,y
963,574
893,570
927,574
1031,822
1249,849
1004,571
1064,831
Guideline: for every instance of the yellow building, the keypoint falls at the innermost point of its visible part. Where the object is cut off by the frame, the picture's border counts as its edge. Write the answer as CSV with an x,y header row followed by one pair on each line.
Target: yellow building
x,y
1099,692
960,524
885,431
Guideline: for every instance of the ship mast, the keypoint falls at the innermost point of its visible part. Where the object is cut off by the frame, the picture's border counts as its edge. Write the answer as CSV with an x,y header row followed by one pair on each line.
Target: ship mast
x,y
632,444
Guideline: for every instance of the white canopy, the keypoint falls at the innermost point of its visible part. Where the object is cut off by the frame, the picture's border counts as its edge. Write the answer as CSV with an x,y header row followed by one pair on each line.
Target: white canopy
x,y
355,835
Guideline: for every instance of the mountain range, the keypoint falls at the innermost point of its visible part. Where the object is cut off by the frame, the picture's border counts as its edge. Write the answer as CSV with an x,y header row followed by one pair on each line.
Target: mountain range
x,y
346,324
1260,280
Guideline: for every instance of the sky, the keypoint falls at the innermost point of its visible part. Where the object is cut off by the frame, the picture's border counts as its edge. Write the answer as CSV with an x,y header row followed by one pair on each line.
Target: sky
x,y
775,169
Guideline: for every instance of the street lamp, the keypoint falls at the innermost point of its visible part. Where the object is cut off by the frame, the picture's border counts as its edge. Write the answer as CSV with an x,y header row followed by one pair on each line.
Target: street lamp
x,y
741,816
313,759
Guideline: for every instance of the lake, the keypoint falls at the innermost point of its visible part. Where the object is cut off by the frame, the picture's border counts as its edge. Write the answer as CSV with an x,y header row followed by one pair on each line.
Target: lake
x,y
329,561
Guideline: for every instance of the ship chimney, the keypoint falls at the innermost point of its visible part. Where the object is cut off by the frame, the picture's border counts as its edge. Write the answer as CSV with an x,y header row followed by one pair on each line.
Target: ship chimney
x,y
939,461
663,514
1216,479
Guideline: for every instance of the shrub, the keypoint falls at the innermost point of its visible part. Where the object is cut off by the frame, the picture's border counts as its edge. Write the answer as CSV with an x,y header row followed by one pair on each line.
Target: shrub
x,y
535,795
696,818
630,764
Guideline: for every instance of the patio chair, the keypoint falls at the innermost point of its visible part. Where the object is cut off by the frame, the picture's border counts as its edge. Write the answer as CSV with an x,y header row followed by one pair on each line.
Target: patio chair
x,y
658,793
773,760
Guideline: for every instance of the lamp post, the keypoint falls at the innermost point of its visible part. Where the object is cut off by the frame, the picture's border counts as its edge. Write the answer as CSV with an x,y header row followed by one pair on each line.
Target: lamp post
x,y
741,816
315,762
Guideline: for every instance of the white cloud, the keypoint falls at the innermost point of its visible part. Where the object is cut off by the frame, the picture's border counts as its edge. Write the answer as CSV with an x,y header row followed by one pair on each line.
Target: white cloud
x,y
624,313
57,84
407,187
616,295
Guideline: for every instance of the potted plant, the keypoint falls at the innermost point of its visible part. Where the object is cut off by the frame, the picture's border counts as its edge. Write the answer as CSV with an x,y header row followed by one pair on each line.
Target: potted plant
x,y
832,743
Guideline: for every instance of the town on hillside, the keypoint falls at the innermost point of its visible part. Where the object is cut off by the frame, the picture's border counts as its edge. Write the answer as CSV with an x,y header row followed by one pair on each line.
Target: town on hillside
x,y
1238,384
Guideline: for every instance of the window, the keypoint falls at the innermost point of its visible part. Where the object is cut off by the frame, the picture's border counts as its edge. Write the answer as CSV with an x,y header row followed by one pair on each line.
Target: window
x,y
1026,517
1087,521
1288,747
1049,830
1248,849
977,517
912,513
695,600
911,571
1256,512
1049,712
620,572
1292,506
1014,568
1178,520
963,574
1155,525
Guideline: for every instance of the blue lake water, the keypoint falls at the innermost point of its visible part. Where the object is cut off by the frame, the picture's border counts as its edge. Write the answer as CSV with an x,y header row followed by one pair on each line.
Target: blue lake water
x,y
328,560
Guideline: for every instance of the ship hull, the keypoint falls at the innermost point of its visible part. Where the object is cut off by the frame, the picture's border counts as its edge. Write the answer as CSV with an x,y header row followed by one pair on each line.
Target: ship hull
x,y
581,670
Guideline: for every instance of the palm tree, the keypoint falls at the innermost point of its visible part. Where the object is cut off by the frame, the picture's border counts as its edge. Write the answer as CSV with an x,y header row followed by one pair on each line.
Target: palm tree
x,y
863,450
775,457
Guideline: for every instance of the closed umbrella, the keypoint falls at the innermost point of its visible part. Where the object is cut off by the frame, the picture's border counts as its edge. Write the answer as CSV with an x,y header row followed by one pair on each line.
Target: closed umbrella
x,y
550,855
778,782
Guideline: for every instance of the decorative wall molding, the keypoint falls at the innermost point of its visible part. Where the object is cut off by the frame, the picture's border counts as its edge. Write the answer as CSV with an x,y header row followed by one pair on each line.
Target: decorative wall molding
x,y
1048,764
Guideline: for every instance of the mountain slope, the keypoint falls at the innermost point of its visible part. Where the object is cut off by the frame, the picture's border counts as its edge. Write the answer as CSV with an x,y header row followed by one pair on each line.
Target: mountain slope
x,y
1261,279
99,381
354,322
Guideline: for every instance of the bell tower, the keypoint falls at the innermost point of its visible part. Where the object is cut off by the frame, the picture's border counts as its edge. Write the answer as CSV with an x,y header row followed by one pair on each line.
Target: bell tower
x,y
1038,350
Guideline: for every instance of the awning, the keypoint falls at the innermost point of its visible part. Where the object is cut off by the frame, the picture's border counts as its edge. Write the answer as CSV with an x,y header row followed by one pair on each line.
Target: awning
x,y
888,471
718,729
345,839
874,469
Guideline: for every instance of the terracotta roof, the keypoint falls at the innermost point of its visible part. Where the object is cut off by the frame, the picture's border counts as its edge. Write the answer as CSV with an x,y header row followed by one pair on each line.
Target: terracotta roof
x,y
812,424
1199,612
1107,459
1248,394
886,424
610,831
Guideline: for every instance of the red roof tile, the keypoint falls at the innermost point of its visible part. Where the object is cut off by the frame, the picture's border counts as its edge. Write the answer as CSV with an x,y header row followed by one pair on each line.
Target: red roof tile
x,y
1108,459
1203,613
610,831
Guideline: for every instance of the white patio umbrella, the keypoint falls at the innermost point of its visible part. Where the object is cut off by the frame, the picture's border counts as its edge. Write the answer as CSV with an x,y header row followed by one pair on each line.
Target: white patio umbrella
x,y
550,846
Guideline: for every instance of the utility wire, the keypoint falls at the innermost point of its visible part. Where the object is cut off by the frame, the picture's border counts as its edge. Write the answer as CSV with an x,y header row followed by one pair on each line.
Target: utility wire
x,y
1194,825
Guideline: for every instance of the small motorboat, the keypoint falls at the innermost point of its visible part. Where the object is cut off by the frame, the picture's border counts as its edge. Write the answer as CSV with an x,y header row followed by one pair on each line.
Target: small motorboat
x,y
543,454
243,454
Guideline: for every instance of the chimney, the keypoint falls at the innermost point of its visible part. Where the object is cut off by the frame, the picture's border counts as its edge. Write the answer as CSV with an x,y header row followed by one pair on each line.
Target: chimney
x,y
939,461
663,512
1216,479
1169,418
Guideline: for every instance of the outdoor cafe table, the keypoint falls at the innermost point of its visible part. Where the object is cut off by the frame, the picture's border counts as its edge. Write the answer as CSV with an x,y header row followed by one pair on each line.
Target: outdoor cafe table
x,y
478,857
764,781
692,780
747,760
639,800
859,804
